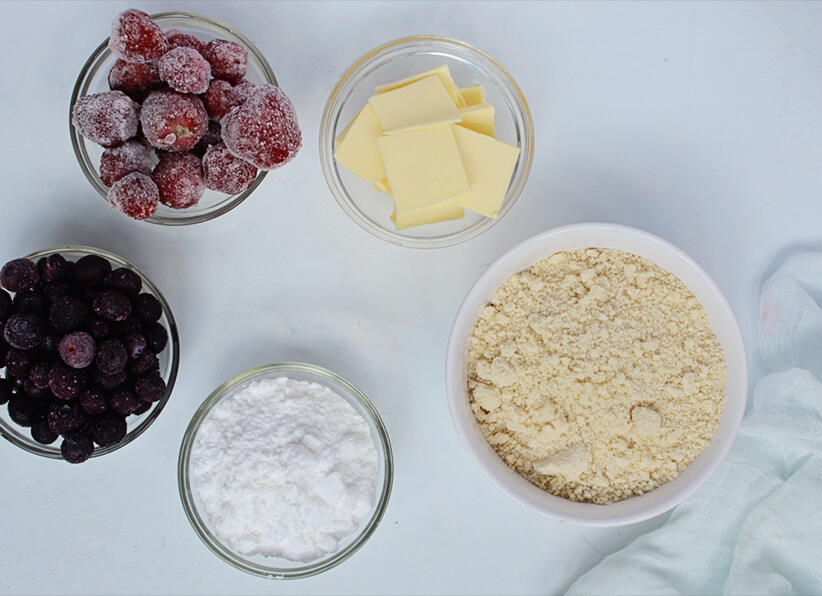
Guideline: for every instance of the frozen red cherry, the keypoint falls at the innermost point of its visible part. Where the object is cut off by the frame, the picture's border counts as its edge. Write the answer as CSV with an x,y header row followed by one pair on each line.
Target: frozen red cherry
x,y
264,130
108,118
228,60
135,37
178,39
136,195
173,121
135,79
219,99
131,156
179,179
225,173
185,70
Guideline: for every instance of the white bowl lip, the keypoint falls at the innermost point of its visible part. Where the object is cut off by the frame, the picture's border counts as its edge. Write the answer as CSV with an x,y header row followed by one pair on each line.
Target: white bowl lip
x,y
598,235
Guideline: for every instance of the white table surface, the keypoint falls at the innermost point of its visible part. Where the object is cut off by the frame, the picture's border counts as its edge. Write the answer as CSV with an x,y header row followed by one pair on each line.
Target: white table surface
x,y
700,122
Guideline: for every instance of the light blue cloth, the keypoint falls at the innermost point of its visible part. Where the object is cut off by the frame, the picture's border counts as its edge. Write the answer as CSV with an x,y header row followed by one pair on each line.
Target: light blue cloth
x,y
756,526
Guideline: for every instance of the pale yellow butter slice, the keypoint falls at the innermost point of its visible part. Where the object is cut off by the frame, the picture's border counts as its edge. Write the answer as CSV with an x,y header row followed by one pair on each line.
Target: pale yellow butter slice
x,y
434,213
485,128
423,166
345,130
418,105
489,164
381,185
444,75
480,118
358,151
473,95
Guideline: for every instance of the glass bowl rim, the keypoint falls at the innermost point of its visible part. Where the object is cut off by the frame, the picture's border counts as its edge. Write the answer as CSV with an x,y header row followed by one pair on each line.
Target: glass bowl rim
x,y
186,490
508,86
78,142
50,451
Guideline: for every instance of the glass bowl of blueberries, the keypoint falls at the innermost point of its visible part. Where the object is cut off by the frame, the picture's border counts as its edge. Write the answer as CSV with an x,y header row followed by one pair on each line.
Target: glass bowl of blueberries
x,y
90,352
162,115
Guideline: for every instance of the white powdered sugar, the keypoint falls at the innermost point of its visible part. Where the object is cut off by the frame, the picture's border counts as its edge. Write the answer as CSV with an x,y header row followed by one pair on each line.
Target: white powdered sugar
x,y
284,468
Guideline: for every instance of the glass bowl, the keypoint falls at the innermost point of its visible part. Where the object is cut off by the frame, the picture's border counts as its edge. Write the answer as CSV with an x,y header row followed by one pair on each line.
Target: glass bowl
x,y
397,60
274,567
169,362
720,315
93,78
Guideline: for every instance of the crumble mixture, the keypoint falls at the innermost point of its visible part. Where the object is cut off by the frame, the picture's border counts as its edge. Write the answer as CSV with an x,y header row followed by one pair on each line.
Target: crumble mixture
x,y
596,375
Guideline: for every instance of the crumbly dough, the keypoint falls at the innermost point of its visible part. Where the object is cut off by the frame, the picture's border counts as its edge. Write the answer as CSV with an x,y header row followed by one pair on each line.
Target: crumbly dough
x,y
596,375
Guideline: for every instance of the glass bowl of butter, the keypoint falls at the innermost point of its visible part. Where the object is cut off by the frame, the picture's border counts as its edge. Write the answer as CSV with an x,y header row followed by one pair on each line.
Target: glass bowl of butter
x,y
426,141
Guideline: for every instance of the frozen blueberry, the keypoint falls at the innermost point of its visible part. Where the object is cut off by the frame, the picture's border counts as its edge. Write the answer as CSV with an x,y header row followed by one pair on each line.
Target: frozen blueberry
x,y
90,270
144,407
93,400
147,308
123,400
31,301
56,290
108,429
22,410
125,280
32,390
68,313
77,349
76,449
135,345
19,362
24,330
66,382
52,268
67,417
99,328
39,374
112,356
5,391
150,387
19,274
146,363
112,305
156,337
131,324
109,382
48,345
5,305
42,433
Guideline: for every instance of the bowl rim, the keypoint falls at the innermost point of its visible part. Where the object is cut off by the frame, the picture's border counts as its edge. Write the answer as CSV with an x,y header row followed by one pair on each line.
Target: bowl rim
x,y
78,142
338,99
50,451
633,509
186,491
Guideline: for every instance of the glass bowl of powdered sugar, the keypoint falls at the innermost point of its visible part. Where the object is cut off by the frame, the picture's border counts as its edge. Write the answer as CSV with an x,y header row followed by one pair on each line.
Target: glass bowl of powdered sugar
x,y
285,470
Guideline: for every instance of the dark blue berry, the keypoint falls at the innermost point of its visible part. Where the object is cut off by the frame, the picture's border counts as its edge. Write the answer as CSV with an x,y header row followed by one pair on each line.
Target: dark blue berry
x,y
93,400
31,301
123,400
76,449
5,305
24,330
5,391
146,363
135,345
52,268
77,349
150,387
131,324
108,429
65,418
19,274
109,382
147,308
32,390
56,290
156,337
42,433
91,270
112,357
68,313
99,328
66,382
144,407
22,410
124,280
48,345
112,305
19,362
39,374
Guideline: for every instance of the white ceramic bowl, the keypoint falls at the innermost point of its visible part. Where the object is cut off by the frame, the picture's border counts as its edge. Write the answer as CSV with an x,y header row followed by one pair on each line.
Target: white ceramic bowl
x,y
667,256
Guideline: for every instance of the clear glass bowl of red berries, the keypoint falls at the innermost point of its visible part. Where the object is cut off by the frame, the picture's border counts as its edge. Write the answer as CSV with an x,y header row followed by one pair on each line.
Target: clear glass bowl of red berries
x,y
186,191
89,349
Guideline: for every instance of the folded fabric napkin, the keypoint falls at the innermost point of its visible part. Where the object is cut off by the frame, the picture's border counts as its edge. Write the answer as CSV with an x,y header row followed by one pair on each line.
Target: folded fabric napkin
x,y
756,526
